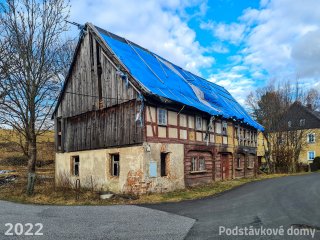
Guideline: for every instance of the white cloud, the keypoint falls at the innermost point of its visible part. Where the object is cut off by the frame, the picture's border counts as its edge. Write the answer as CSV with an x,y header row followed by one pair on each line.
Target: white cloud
x,y
233,32
159,26
218,48
284,39
279,41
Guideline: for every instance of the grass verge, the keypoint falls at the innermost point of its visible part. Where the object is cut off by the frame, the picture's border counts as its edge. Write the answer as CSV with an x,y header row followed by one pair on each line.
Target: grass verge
x,y
46,193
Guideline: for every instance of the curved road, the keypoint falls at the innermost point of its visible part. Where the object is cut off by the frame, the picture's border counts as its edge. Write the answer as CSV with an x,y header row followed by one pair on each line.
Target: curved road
x,y
269,204
287,201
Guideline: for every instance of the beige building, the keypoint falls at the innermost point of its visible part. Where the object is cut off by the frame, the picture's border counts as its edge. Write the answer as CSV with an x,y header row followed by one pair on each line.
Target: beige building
x,y
301,119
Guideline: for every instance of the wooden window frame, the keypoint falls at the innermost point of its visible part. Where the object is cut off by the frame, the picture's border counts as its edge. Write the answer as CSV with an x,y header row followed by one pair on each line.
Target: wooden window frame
x,y
112,162
75,165
314,155
196,164
164,164
59,134
159,117
239,162
224,128
314,138
198,123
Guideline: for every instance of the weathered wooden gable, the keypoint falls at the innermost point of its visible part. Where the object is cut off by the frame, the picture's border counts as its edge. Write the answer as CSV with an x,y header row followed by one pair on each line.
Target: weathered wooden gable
x,y
98,106
93,82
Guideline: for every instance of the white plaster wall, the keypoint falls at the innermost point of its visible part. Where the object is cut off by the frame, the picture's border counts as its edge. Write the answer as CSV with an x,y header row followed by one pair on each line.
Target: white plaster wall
x,y
175,178
134,168
97,164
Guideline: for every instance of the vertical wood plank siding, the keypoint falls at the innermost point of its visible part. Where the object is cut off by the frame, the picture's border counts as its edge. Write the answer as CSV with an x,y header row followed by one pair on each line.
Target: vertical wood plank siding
x,y
97,112
114,126
82,89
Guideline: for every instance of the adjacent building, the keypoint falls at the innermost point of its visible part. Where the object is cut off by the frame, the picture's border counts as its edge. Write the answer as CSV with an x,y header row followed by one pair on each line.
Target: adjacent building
x,y
300,126
130,121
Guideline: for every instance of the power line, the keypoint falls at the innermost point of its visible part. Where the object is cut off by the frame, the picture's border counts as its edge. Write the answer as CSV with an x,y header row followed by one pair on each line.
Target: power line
x,y
92,96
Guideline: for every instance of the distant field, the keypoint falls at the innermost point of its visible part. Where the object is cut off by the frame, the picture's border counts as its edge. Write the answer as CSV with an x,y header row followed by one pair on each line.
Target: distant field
x,y
11,153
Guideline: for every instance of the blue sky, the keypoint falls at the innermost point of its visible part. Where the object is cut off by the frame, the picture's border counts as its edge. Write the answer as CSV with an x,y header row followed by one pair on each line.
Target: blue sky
x,y
239,44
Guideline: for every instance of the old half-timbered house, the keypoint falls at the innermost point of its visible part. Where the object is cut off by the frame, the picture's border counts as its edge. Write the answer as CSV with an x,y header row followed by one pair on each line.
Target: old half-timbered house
x,y
130,121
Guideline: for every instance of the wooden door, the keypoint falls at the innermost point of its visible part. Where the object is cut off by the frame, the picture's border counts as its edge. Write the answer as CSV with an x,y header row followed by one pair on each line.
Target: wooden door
x,y
225,166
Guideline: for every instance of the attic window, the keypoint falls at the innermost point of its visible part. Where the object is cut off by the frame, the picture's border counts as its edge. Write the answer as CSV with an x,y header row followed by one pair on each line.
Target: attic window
x,y
302,122
162,116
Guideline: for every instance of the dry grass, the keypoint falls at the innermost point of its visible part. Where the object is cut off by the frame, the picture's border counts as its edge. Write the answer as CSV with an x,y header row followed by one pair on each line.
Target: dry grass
x,y
47,193
11,154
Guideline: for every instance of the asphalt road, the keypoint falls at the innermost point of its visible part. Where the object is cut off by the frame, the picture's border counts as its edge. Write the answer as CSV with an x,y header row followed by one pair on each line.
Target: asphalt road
x,y
269,204
292,202
93,222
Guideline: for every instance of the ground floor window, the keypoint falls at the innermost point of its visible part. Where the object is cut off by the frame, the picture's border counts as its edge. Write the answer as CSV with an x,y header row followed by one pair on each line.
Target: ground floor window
x,y
198,164
164,164
75,165
311,155
239,162
251,160
115,165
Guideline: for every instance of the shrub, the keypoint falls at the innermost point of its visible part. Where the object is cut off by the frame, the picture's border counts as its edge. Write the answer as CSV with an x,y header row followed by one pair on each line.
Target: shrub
x,y
316,163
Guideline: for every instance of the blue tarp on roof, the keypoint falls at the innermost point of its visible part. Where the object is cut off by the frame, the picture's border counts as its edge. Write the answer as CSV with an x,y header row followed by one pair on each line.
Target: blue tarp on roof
x,y
167,80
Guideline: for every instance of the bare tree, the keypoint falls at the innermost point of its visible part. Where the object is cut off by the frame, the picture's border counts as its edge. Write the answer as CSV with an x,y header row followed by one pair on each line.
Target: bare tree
x,y
312,99
30,40
267,107
284,144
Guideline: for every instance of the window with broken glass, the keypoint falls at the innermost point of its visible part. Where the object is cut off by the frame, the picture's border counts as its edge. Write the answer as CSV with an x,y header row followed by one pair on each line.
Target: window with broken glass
x,y
115,165
75,165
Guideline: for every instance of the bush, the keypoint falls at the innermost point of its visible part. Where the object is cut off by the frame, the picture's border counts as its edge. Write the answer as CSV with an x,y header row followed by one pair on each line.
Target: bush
x,y
316,163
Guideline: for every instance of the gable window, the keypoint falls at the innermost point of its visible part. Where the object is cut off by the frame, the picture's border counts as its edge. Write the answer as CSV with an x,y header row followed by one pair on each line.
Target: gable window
x,y
289,124
311,155
311,138
75,165
164,164
162,116
198,123
198,164
224,128
302,122
115,165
